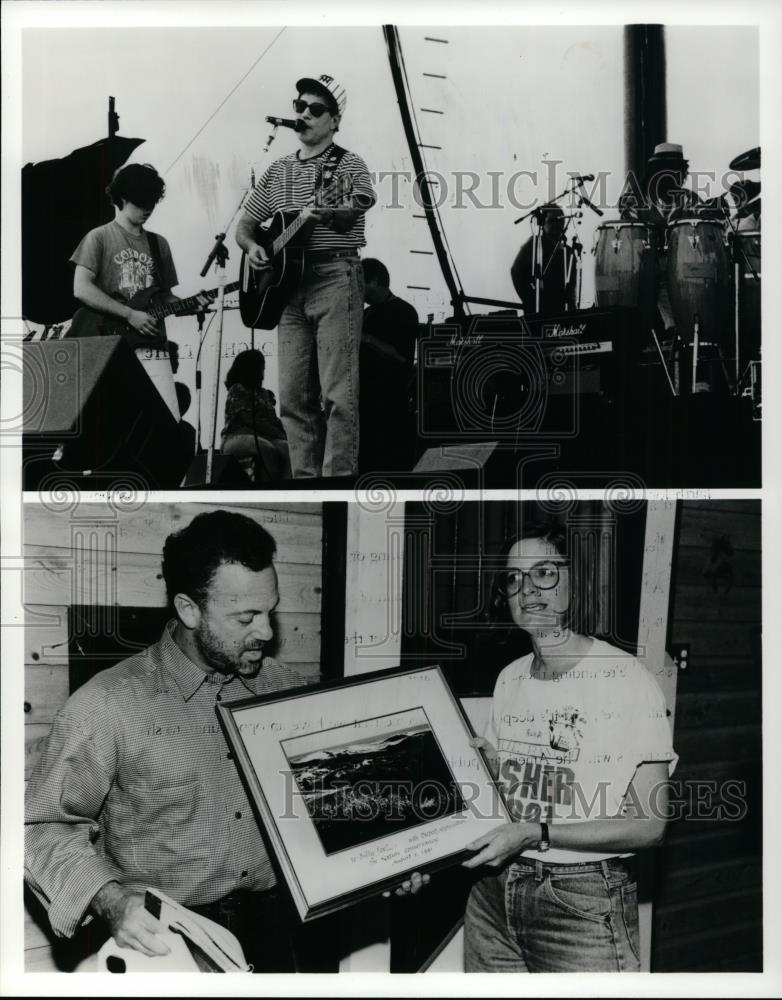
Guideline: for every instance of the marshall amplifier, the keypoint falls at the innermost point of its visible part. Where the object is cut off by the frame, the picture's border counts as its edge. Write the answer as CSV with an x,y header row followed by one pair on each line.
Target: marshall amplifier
x,y
505,377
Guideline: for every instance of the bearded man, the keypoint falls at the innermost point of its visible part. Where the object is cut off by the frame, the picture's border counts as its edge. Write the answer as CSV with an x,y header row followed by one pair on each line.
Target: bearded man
x,y
136,786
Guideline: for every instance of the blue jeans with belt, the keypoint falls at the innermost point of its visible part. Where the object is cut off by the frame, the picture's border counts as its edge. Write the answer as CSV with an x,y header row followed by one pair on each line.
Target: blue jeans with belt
x,y
538,917
319,335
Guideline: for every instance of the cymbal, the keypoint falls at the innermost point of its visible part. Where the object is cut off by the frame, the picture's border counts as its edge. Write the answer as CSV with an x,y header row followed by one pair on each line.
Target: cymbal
x,y
746,161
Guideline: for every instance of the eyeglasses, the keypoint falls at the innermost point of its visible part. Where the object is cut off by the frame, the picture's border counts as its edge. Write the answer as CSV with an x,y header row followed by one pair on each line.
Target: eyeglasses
x,y
316,108
544,576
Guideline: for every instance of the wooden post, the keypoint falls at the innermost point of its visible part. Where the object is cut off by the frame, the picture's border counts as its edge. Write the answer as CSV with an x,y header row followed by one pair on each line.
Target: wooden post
x,y
652,634
645,112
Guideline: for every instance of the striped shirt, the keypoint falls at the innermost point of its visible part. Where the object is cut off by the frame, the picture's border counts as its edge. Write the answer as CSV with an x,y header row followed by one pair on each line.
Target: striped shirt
x,y
289,184
136,784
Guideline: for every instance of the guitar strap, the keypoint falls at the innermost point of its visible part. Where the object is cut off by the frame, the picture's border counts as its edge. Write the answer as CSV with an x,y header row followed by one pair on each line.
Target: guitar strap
x,y
329,168
154,246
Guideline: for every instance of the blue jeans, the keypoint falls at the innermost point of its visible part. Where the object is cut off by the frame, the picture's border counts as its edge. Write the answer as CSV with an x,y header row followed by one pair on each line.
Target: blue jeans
x,y
319,336
537,917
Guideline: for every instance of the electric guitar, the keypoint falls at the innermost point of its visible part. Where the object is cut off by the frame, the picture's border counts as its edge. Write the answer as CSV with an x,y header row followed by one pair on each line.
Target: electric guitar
x,y
91,323
264,294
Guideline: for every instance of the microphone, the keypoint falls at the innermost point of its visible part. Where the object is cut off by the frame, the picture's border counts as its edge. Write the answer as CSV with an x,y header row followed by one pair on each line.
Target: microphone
x,y
580,178
296,124
586,201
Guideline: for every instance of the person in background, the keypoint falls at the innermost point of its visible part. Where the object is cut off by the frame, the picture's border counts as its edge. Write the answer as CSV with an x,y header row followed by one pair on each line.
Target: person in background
x,y
557,268
253,433
187,433
661,200
580,742
388,343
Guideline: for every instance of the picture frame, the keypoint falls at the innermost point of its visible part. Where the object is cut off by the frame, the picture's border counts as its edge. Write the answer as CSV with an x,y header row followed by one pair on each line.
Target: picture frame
x,y
357,783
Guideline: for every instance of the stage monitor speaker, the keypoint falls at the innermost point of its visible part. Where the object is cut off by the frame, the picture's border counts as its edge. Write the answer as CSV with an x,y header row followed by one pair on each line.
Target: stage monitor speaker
x,y
94,420
473,465
226,473
448,458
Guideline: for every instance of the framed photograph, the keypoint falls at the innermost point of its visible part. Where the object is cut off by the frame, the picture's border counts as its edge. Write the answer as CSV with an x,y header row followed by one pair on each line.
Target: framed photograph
x,y
360,782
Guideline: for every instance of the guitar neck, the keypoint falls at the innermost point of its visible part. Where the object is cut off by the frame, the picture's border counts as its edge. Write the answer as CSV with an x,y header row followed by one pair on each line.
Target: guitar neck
x,y
179,306
331,201
287,235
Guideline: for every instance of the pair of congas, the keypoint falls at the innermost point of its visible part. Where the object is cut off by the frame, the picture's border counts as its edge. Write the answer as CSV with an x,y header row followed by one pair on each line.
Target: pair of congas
x,y
693,262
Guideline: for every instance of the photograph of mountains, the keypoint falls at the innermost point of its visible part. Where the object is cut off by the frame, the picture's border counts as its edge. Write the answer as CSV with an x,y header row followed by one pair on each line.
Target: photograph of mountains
x,y
372,779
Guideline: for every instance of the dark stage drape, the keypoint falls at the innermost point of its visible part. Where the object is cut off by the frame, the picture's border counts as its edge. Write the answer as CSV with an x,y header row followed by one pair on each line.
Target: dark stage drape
x,y
61,201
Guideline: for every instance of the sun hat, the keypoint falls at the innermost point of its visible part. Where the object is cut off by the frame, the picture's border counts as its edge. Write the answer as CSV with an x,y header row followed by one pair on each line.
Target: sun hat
x,y
667,151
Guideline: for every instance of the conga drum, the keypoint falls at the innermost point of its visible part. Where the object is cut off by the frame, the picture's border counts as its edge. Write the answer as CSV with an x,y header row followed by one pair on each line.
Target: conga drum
x,y
699,289
626,267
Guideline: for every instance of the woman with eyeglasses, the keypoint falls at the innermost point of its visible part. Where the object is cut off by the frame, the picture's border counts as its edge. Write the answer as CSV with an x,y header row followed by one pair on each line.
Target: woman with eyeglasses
x,y
579,740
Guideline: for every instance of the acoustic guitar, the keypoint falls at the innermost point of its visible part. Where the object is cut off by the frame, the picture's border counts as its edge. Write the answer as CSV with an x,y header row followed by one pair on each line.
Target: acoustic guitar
x,y
263,294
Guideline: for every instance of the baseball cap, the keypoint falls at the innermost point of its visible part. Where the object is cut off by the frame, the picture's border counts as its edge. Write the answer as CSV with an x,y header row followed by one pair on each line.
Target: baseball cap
x,y
326,85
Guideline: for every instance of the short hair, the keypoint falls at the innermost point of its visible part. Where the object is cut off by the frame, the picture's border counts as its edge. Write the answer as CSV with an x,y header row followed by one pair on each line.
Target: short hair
x,y
192,555
569,545
139,183
376,270
248,369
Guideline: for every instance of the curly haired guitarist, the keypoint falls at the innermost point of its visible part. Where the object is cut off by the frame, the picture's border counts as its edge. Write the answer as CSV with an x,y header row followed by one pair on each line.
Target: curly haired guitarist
x,y
319,329
120,267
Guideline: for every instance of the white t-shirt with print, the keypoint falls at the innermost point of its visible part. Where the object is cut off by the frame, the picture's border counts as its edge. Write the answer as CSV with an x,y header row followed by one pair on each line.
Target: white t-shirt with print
x,y
570,744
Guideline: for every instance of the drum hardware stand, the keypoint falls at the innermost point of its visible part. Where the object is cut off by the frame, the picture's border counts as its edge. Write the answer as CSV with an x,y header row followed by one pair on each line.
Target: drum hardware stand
x,y
695,347
741,264
750,387
738,259
696,331
657,344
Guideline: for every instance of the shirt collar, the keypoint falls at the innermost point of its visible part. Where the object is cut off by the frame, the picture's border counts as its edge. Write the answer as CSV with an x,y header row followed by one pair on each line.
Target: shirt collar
x,y
188,676
318,156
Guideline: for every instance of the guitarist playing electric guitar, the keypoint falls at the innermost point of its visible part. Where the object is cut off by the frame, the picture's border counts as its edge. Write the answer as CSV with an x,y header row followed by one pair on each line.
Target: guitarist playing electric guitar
x,y
319,330
124,275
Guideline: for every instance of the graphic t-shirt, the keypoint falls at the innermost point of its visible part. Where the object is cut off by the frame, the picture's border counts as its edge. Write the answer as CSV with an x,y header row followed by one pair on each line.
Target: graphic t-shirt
x,y
123,264
569,745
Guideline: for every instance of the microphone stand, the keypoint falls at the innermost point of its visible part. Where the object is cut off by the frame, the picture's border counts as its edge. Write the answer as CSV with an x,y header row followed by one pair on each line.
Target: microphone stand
x,y
270,139
578,248
219,256
536,262
536,215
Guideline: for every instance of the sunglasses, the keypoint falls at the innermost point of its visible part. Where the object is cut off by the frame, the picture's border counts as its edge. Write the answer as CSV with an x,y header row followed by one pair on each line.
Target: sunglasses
x,y
316,108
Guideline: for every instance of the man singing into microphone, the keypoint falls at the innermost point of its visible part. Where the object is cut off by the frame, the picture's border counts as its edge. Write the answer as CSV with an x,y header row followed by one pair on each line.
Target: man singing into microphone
x,y
320,329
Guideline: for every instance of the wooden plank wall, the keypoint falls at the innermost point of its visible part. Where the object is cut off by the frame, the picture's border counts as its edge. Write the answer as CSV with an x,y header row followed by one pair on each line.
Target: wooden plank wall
x,y
93,554
708,900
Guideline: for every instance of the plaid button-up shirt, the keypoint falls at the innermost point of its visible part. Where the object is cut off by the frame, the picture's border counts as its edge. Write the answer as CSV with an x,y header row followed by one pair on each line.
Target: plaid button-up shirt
x,y
136,783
